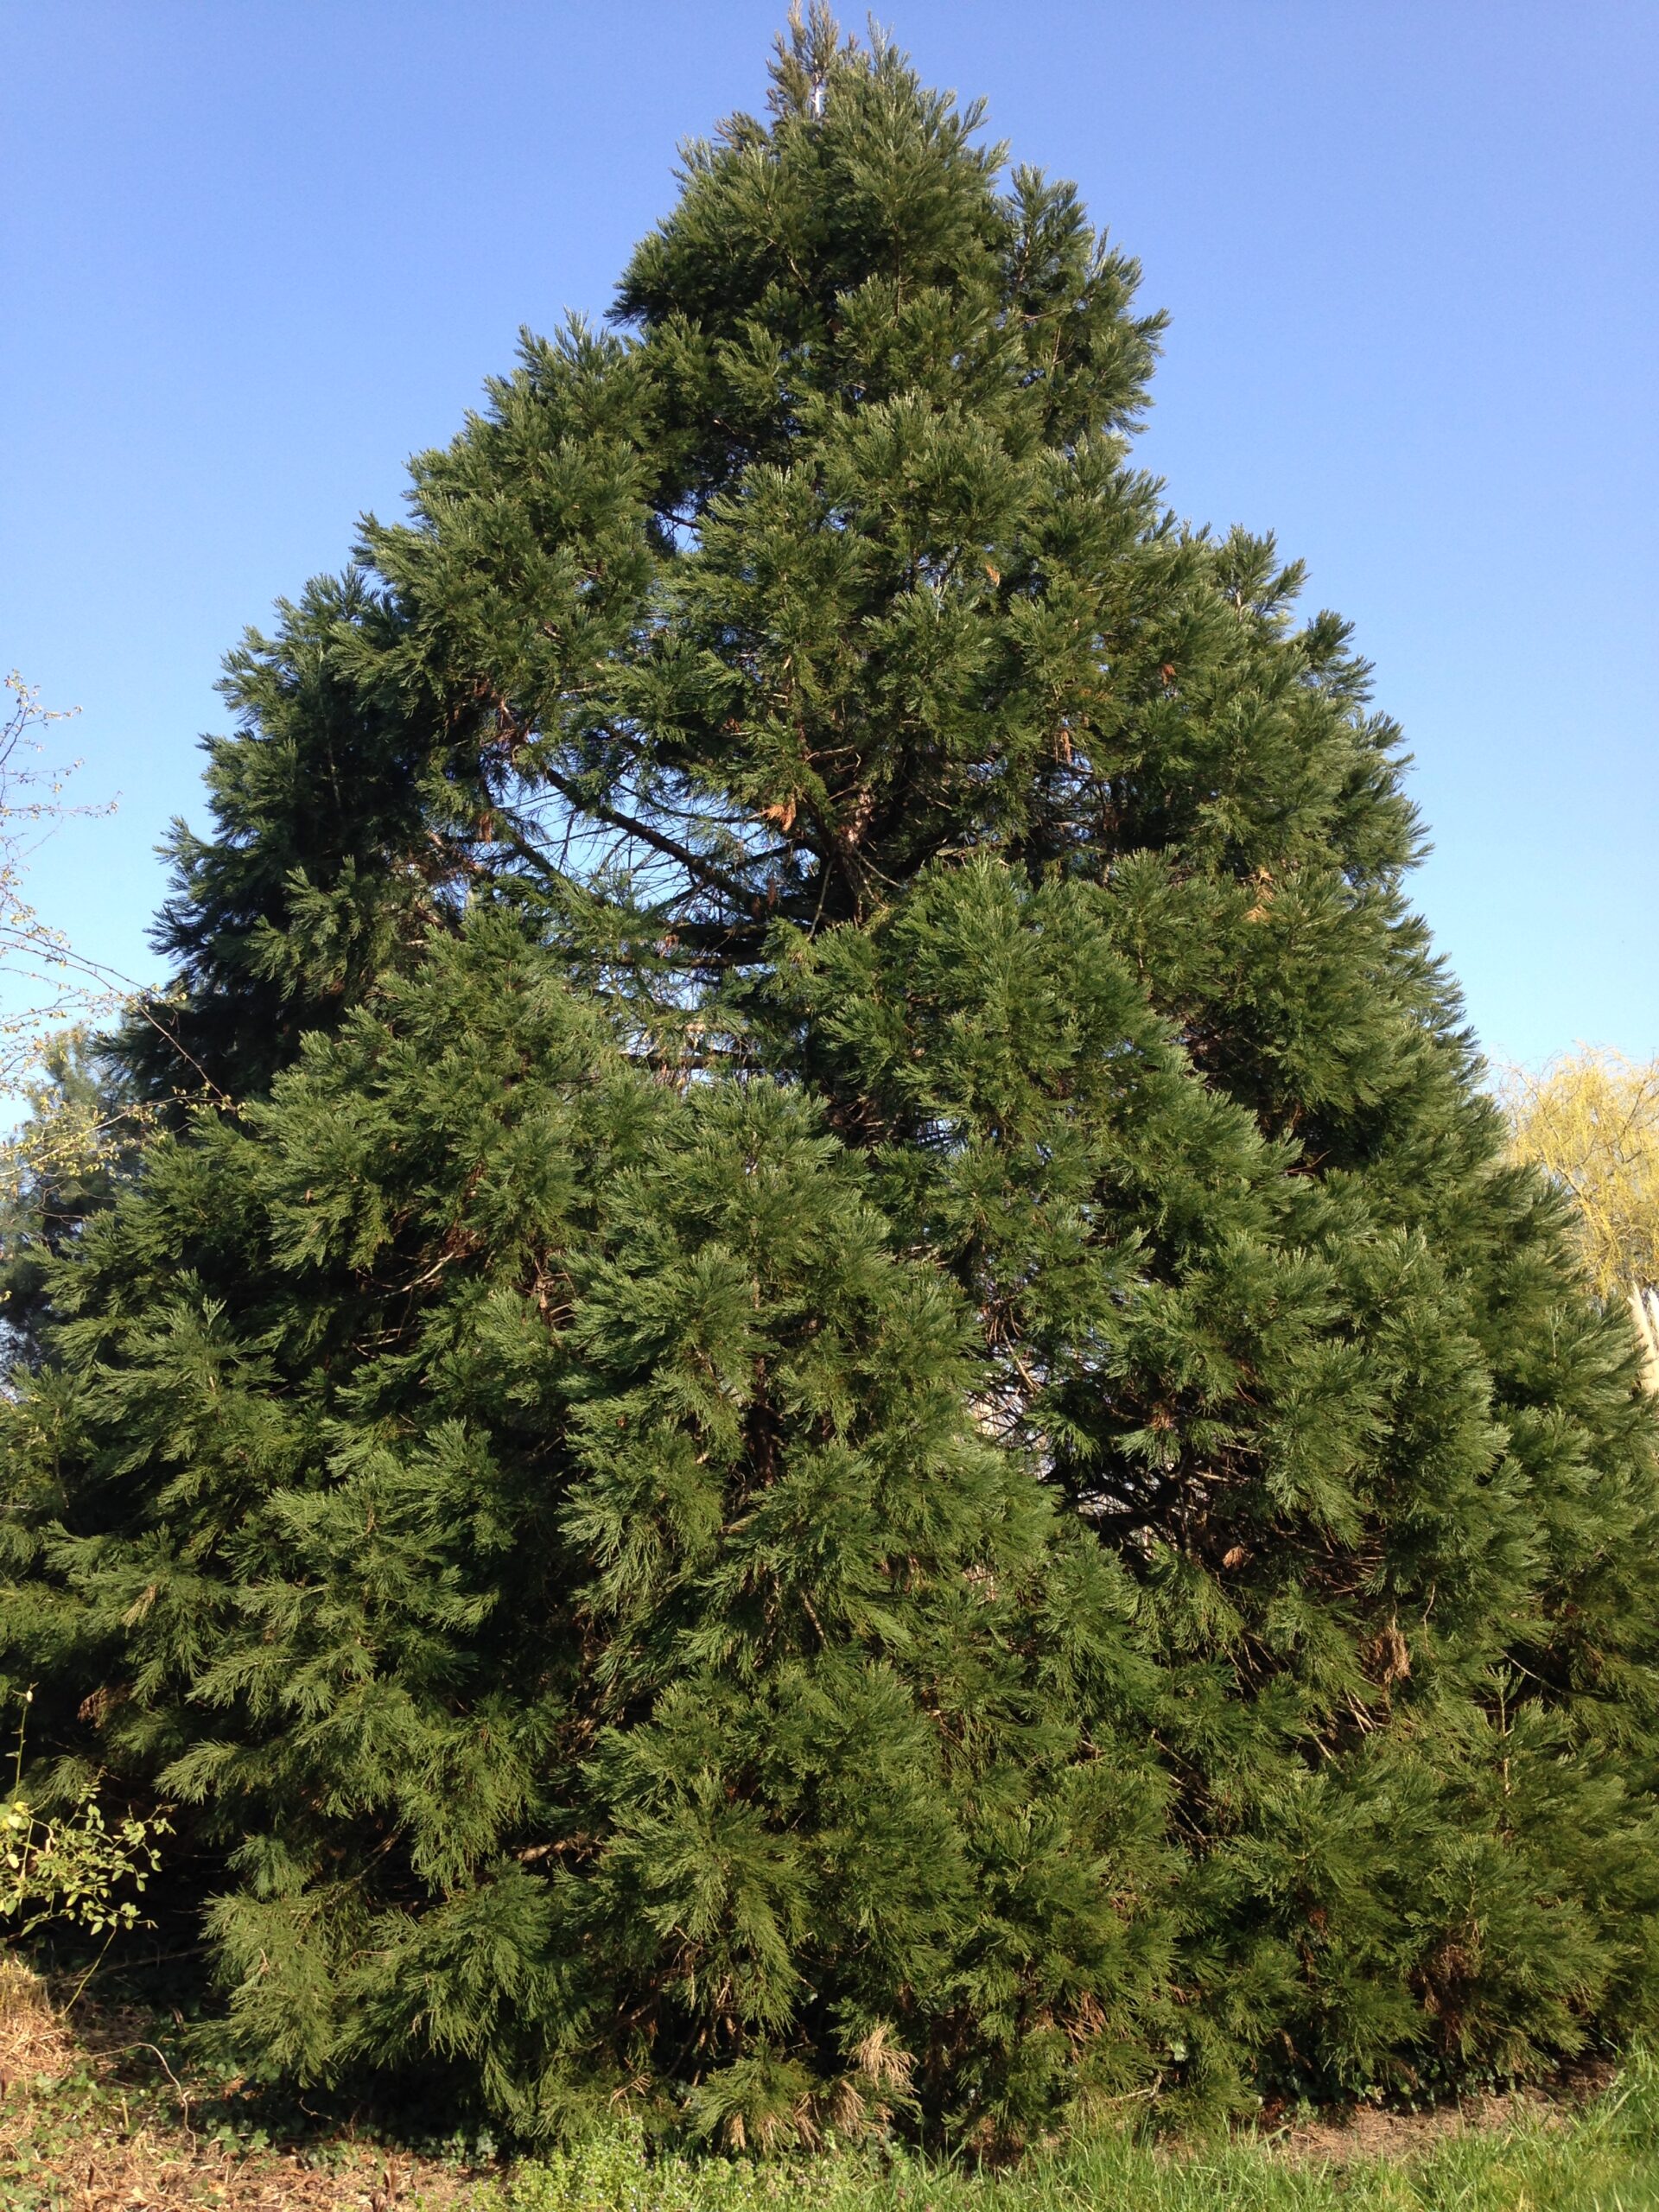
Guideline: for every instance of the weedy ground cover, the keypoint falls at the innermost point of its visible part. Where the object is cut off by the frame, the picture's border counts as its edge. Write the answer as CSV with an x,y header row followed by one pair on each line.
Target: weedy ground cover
x,y
109,2116
1602,2158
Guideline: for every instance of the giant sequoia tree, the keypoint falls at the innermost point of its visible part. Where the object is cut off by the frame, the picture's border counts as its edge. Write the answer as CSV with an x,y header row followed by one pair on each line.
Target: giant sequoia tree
x,y
838,1403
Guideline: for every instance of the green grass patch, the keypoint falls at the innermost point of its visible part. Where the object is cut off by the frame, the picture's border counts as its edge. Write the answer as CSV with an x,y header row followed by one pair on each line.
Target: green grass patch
x,y
1604,2158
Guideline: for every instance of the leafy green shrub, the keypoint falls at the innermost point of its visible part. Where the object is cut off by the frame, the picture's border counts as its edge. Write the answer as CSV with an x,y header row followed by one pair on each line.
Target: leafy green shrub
x,y
68,1866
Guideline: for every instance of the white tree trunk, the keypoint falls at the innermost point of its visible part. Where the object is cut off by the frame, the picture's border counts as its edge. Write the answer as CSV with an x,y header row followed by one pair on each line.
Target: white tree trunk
x,y
1644,1312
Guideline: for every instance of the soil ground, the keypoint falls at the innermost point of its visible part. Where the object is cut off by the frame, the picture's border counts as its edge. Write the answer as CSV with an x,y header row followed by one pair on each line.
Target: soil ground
x,y
101,2120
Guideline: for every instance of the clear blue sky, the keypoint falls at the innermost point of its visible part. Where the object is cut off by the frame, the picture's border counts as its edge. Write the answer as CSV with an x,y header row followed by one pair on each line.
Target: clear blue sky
x,y
253,254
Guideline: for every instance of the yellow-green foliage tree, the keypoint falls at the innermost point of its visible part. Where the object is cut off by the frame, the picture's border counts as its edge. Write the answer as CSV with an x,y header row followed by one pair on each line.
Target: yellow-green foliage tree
x,y
1590,1119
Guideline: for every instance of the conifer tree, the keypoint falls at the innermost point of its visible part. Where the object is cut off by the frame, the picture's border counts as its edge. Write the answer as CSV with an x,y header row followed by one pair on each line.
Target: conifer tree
x,y
856,1414
83,1137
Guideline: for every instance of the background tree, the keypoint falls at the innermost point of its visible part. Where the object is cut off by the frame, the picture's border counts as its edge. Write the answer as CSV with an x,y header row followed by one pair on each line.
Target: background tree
x,y
81,1139
45,984
75,1136
1590,1120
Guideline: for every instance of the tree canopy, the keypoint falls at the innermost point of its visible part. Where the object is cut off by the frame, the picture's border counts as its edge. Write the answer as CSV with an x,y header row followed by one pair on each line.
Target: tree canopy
x,y
840,1406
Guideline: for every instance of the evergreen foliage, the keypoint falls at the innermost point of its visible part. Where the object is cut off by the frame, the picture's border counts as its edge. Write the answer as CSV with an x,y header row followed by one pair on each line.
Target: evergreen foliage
x,y
83,1137
857,1416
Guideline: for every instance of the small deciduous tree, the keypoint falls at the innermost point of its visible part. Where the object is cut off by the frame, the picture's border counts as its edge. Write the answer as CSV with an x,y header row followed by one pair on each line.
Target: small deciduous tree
x,y
45,984
1590,1120
79,1124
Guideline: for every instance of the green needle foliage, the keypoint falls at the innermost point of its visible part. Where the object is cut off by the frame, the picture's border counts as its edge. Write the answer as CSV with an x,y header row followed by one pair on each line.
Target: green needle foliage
x,y
857,1423
82,1134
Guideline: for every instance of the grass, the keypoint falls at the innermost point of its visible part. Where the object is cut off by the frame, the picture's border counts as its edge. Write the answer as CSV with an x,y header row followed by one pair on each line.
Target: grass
x,y
1604,2159
107,2118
